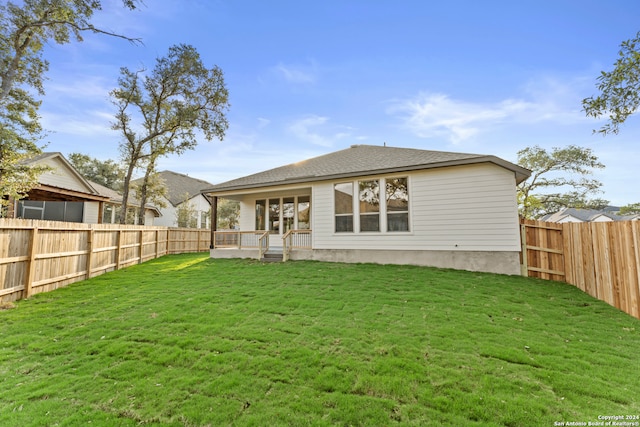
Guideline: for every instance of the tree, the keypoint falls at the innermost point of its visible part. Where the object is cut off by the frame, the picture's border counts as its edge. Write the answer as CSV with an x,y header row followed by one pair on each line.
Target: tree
x,y
228,214
619,89
25,28
159,113
630,209
107,172
186,214
564,170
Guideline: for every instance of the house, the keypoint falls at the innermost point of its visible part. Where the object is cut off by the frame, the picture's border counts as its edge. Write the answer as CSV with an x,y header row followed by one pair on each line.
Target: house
x,y
63,194
608,214
111,209
379,204
183,190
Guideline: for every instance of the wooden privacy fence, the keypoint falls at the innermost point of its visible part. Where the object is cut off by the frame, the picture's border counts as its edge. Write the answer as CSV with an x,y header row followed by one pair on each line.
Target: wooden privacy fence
x,y
600,258
39,256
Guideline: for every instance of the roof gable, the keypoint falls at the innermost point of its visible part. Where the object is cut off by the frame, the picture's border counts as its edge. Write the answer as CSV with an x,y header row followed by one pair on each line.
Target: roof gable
x,y
178,185
363,160
62,174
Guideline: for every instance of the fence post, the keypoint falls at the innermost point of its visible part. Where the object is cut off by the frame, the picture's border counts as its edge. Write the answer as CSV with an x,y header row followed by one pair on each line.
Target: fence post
x,y
140,238
524,267
157,241
89,251
118,249
31,264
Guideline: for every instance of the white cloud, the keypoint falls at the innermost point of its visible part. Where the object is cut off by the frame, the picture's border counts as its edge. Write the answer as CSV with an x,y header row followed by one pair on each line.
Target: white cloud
x,y
262,122
438,115
316,130
300,74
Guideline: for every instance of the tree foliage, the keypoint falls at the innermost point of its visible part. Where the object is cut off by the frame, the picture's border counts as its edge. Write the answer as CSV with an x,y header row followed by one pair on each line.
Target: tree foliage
x,y
159,113
630,209
25,28
104,172
186,213
228,214
619,89
559,178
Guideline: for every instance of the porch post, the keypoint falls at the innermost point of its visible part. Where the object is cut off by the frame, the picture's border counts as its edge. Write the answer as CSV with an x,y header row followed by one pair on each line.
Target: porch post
x,y
214,219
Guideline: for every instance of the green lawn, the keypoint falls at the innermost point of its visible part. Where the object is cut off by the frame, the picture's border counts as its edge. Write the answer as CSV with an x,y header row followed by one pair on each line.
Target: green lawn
x,y
189,341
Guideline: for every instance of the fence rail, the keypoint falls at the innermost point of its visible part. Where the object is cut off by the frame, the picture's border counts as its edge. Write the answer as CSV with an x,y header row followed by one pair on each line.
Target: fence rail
x,y
600,258
40,256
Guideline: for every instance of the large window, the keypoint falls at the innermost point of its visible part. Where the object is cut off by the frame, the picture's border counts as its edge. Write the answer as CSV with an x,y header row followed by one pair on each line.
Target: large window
x,y
397,204
274,216
288,213
304,212
261,213
343,195
372,212
369,198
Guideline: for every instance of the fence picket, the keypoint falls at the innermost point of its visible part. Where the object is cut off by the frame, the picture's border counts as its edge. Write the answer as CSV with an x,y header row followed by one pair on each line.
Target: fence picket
x,y
40,256
601,259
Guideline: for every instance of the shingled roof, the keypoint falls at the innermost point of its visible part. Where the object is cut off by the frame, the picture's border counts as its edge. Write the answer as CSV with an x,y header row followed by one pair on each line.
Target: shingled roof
x,y
361,160
179,184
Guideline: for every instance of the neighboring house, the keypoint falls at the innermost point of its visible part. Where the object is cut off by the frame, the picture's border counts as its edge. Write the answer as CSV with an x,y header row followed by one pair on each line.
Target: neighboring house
x,y
608,214
383,205
181,190
112,208
64,195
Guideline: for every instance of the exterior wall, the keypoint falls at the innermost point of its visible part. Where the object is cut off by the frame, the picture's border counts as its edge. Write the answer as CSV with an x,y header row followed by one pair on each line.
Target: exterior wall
x,y
458,209
169,213
168,216
91,212
569,219
61,177
490,262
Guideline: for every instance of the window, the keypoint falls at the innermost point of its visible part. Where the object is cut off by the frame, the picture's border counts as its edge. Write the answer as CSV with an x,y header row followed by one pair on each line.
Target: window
x,y
343,198
397,204
260,214
274,216
304,211
369,203
288,213
51,211
107,214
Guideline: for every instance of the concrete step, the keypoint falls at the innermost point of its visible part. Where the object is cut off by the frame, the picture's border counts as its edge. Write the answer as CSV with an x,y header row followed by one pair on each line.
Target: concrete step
x,y
272,256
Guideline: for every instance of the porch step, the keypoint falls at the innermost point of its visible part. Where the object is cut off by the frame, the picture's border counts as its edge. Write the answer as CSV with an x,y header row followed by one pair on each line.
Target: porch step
x,y
272,256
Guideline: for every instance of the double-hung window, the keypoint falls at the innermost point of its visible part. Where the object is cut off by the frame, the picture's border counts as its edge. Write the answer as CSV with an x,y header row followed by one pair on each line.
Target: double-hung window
x,y
397,196
343,199
369,198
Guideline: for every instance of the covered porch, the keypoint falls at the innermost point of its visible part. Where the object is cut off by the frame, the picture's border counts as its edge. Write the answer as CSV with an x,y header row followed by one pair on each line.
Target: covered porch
x,y
273,225
262,245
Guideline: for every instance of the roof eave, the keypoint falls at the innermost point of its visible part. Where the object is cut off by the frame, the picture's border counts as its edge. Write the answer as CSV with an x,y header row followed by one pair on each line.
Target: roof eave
x,y
520,173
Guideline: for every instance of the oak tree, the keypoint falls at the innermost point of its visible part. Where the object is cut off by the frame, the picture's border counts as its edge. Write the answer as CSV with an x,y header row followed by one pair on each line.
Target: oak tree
x,y
559,178
161,112
25,28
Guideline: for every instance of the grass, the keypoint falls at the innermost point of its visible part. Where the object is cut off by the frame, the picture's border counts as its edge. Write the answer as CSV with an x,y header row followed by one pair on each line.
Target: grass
x,y
189,341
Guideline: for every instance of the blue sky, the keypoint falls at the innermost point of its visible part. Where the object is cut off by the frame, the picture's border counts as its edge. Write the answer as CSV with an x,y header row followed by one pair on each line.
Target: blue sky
x,y
308,78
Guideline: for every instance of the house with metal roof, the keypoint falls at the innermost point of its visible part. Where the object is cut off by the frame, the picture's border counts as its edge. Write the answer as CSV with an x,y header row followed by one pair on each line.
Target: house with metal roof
x,y
63,194
379,204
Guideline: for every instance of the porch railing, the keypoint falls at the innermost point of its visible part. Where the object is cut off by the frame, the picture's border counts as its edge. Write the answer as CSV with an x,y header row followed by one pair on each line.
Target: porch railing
x,y
236,239
295,239
292,239
263,243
